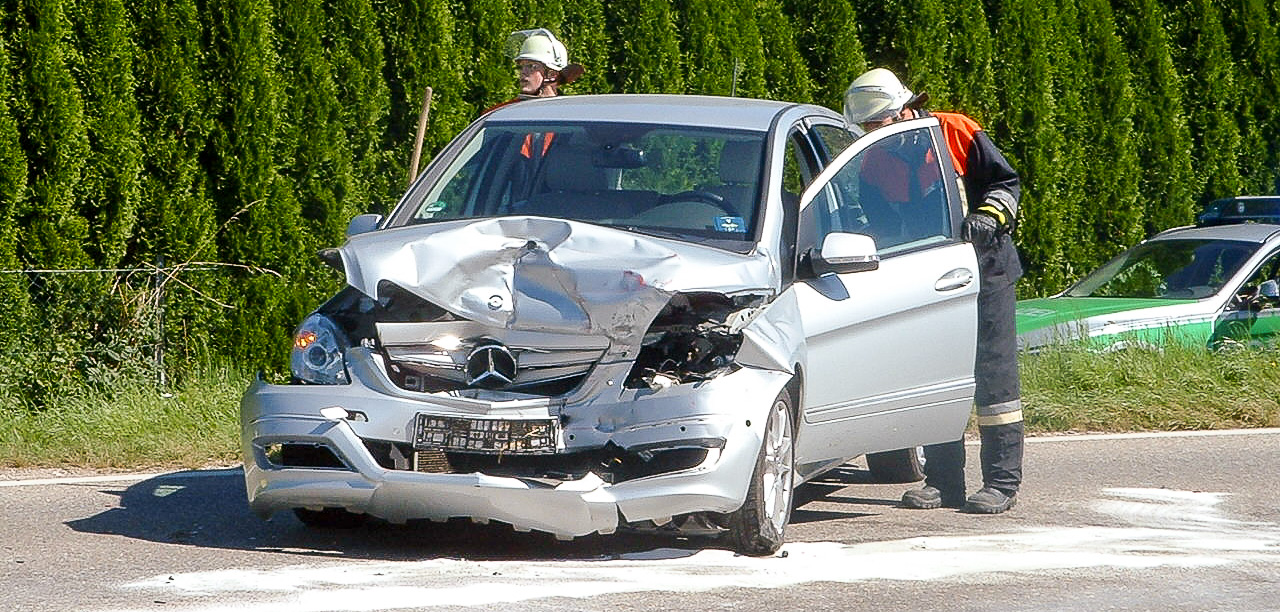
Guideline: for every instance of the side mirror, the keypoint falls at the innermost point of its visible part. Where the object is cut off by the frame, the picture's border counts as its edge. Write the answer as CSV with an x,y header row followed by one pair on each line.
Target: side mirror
x,y
1269,289
844,253
363,223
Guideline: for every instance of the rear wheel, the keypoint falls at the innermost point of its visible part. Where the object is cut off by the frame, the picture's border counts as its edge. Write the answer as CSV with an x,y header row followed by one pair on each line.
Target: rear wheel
x,y
758,527
897,466
330,518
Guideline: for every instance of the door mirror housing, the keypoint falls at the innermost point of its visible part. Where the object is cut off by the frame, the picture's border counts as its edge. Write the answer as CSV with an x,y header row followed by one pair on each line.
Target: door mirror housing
x,y
1269,289
363,223
843,253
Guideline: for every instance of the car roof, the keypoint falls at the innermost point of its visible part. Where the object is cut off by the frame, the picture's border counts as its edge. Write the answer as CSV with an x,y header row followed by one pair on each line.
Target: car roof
x,y
702,111
1247,232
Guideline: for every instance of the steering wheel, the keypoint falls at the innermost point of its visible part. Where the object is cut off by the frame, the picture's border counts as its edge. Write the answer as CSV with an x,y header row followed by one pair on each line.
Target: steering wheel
x,y
698,195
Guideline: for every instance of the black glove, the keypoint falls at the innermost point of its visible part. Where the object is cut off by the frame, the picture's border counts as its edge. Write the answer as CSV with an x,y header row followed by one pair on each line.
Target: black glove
x,y
980,229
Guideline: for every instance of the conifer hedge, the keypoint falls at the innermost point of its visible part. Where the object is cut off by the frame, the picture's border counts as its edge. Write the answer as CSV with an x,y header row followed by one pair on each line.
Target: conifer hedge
x,y
244,134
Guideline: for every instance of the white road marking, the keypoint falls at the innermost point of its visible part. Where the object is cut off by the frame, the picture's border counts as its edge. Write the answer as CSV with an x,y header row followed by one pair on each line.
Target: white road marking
x,y
1166,528
133,477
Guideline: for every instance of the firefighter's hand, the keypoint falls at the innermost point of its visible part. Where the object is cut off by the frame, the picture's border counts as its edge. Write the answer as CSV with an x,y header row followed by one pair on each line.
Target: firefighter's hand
x,y
980,229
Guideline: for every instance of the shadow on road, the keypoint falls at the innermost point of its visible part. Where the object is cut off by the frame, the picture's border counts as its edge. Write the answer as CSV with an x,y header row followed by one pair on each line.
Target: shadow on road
x,y
207,508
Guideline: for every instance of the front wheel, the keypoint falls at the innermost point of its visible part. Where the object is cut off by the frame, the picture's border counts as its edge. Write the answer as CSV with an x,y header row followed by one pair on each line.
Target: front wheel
x,y
758,527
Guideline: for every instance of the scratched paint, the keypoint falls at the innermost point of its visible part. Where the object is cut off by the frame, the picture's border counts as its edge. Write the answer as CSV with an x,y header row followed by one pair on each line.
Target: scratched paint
x,y
1164,528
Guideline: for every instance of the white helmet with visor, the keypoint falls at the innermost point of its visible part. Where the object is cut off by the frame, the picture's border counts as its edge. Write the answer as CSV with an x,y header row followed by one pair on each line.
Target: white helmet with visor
x,y
875,96
539,45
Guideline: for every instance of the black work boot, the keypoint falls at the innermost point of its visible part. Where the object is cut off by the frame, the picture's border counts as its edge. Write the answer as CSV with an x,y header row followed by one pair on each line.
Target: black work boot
x,y
928,498
989,501
943,478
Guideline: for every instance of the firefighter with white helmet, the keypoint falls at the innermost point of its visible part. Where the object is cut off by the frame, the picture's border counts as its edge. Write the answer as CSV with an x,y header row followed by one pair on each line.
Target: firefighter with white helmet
x,y
992,187
543,63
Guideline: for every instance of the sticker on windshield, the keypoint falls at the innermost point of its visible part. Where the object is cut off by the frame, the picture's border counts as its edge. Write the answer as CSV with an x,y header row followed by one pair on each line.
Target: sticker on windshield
x,y
429,211
731,224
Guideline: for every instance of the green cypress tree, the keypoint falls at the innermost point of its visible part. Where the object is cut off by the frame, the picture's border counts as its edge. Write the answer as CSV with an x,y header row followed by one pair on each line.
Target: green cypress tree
x,y
1023,67
314,156
13,172
587,38
246,136
177,219
13,192
267,230
1109,201
722,44
1166,180
829,42
109,193
1251,27
50,113
427,47
491,74
646,50
1213,97
786,76
356,53
1070,100
969,57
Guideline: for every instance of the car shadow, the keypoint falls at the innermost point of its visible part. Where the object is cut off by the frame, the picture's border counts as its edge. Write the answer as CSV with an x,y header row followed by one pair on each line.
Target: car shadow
x,y
823,491
207,508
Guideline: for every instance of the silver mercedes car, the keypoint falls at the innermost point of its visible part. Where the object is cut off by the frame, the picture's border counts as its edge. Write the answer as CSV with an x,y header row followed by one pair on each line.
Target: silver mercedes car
x,y
623,311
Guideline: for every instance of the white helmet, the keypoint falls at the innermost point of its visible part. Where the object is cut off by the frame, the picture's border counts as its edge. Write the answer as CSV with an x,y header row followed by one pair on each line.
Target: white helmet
x,y
539,45
875,96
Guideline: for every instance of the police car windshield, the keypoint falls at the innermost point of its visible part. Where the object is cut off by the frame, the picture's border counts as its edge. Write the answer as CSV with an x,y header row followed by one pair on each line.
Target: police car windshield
x,y
692,183
1170,269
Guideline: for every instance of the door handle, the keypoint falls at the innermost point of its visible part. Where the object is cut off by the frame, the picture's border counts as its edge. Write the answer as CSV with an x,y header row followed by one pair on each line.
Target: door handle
x,y
955,279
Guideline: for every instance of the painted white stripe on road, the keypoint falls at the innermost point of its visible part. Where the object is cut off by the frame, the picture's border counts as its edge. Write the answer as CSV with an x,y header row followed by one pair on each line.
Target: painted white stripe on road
x,y
1271,431
74,480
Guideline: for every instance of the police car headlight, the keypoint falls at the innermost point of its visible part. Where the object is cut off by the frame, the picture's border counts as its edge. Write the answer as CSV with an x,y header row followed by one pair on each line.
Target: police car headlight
x,y
317,354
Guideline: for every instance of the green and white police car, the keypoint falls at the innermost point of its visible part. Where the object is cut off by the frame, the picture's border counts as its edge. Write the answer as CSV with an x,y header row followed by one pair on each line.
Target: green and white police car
x,y
1214,284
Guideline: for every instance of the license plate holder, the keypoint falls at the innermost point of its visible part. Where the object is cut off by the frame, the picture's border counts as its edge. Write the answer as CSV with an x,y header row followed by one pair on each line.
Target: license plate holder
x,y
494,436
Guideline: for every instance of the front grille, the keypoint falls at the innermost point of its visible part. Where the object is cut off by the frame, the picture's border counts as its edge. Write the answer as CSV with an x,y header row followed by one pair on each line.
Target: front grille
x,y
433,357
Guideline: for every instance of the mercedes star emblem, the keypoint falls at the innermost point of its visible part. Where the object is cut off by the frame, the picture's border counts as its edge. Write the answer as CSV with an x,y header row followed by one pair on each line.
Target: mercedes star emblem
x,y
491,366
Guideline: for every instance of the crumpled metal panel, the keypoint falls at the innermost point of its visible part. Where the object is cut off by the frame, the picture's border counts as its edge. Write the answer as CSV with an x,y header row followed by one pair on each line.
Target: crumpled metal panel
x,y
774,340
547,274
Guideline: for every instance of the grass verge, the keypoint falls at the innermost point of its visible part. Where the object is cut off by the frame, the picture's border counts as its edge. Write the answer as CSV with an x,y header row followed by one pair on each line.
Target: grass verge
x,y
194,424
1071,389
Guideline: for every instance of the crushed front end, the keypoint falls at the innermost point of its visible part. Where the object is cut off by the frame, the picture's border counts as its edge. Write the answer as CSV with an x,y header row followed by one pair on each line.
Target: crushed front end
x,y
554,390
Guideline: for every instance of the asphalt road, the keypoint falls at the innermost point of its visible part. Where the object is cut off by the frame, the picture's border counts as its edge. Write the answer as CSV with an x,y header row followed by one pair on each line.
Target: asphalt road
x,y
1162,522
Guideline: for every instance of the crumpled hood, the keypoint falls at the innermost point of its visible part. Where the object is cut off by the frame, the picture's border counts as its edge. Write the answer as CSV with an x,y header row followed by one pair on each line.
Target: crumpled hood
x,y
542,274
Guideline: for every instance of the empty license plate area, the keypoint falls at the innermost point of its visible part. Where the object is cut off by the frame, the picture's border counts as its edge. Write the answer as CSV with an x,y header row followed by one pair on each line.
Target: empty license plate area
x,y
486,435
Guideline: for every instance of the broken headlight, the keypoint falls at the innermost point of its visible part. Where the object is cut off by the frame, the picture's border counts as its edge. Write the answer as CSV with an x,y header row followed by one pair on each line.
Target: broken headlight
x,y
316,358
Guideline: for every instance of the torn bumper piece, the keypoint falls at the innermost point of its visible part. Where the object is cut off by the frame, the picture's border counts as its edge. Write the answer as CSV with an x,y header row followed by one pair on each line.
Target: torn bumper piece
x,y
715,410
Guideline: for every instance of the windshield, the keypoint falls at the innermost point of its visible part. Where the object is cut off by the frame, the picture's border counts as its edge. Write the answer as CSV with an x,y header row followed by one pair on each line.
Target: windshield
x,y
1171,269
689,183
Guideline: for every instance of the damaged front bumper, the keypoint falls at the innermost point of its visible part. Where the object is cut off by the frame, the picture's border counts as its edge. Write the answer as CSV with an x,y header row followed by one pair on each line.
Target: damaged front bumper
x,y
352,447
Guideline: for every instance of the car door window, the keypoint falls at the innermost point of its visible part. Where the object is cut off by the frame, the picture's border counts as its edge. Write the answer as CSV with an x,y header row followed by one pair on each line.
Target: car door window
x,y
833,139
893,190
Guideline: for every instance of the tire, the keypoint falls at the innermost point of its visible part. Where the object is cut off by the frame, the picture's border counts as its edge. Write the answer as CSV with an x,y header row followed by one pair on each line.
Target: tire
x,y
759,526
897,466
330,518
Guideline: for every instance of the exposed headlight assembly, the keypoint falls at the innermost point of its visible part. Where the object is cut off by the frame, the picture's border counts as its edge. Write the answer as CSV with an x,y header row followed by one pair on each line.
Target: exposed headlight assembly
x,y
316,357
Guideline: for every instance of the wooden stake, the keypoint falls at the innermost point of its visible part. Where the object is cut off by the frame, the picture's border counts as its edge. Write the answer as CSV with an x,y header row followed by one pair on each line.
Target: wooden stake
x,y
422,131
